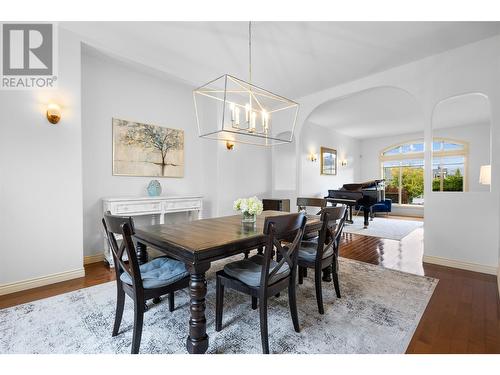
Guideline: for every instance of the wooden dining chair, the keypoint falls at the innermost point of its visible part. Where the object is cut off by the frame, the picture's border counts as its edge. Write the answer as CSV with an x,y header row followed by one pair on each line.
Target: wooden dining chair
x,y
140,282
262,277
303,203
323,254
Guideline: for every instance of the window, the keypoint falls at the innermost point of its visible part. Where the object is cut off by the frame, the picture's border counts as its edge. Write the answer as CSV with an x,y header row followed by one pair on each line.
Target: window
x,y
448,165
403,169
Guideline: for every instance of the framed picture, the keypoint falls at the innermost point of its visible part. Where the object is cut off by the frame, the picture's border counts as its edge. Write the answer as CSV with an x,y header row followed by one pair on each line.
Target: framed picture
x,y
147,150
328,161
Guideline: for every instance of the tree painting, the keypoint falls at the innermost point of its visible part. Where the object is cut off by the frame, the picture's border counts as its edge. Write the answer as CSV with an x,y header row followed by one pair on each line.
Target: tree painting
x,y
147,150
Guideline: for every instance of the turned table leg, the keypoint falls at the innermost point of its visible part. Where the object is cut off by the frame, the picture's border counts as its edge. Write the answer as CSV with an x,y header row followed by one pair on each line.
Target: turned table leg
x,y
142,253
197,341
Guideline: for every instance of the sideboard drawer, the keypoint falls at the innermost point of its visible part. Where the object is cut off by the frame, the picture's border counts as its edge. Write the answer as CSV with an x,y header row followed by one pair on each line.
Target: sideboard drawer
x,y
192,203
132,207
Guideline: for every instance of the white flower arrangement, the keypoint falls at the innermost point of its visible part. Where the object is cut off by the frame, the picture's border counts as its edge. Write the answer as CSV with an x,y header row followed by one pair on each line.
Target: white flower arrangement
x,y
251,206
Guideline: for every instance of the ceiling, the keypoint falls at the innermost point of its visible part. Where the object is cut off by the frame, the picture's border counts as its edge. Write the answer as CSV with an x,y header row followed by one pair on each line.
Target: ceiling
x,y
290,58
462,110
372,113
387,111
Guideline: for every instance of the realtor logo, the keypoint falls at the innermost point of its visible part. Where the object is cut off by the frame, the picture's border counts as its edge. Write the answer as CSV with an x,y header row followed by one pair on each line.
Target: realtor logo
x,y
28,56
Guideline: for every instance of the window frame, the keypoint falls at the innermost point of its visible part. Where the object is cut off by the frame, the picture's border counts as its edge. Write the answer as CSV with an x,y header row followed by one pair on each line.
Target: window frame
x,y
421,155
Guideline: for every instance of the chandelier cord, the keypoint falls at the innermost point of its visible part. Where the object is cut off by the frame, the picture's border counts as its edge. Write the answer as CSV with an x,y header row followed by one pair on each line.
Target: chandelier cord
x,y
250,51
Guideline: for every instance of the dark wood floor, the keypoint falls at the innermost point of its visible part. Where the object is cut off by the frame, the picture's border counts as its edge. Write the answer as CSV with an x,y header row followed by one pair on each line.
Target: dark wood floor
x,y
463,315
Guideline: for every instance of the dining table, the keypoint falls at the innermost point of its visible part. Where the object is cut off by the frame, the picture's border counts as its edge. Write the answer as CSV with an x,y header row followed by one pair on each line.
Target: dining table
x,y
198,244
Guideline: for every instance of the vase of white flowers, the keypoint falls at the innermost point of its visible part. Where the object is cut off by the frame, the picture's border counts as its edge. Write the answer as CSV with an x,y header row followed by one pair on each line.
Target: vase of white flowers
x,y
249,207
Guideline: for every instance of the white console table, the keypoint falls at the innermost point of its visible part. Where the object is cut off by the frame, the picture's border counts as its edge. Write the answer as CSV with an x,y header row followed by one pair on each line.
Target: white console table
x,y
141,206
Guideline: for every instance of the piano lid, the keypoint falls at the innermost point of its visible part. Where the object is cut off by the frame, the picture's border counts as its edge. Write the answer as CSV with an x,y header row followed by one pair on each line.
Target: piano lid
x,y
362,185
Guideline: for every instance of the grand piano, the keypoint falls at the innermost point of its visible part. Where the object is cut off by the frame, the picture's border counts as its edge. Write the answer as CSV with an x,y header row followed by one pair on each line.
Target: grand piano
x,y
362,195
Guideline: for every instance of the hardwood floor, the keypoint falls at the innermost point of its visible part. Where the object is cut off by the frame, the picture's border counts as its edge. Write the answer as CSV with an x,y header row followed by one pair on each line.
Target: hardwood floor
x,y
463,315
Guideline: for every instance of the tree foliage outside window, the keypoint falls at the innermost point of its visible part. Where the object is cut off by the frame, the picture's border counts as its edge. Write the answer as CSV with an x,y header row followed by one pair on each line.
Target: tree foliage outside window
x,y
412,183
454,182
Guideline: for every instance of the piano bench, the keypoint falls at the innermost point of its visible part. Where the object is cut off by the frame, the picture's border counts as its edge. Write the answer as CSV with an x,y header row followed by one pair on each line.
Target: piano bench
x,y
382,206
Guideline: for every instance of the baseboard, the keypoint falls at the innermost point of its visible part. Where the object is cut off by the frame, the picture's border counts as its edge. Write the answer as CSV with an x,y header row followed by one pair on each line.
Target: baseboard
x,y
41,281
93,258
461,265
498,280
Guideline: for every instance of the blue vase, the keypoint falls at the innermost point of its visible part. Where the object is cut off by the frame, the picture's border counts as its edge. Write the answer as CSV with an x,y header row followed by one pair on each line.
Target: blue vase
x,y
154,188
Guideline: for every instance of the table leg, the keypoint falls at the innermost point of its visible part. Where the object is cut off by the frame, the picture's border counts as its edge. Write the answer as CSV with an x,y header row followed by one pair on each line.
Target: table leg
x,y
142,253
197,341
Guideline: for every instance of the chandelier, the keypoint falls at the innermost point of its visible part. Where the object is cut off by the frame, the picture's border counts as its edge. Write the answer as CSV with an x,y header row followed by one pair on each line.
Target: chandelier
x,y
233,110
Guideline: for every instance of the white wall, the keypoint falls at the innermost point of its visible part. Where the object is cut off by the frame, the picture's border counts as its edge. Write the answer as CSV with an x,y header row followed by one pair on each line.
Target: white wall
x,y
243,172
451,225
313,138
41,176
113,88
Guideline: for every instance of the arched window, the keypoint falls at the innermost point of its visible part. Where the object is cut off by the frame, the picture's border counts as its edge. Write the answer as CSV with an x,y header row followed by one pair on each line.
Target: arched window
x,y
449,165
402,167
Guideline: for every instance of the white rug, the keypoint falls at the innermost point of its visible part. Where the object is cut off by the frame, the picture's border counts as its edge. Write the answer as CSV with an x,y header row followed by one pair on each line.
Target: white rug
x,y
393,229
378,313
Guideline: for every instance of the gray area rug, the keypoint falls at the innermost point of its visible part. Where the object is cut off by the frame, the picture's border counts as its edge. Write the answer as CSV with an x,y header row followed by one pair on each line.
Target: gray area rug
x,y
378,313
393,229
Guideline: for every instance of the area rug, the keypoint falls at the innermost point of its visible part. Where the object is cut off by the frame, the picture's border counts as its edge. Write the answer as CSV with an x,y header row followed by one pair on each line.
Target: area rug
x,y
378,313
393,229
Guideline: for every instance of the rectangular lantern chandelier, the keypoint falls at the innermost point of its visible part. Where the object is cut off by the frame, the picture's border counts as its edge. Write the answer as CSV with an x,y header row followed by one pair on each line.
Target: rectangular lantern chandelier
x,y
232,110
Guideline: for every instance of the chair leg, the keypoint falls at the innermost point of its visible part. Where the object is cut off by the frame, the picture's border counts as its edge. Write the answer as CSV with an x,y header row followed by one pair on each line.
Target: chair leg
x,y
219,304
292,300
138,322
263,325
319,292
120,303
254,303
171,302
335,274
305,271
301,275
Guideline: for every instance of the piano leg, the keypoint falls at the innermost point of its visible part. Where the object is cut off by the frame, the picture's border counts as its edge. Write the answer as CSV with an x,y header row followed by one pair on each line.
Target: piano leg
x,y
366,213
349,219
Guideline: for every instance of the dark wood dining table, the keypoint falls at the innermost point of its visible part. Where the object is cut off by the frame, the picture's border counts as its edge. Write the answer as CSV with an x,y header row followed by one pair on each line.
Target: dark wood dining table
x,y
198,243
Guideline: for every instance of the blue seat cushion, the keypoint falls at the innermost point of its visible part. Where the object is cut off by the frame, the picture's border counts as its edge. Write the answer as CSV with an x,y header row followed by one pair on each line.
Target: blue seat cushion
x,y
158,272
308,249
249,270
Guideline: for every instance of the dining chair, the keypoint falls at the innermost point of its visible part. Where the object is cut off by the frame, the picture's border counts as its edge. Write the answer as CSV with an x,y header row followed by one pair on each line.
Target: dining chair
x,y
323,254
150,280
261,276
303,203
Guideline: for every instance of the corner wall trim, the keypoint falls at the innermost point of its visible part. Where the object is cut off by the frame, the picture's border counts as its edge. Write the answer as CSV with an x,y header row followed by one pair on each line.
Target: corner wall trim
x,y
491,270
93,258
41,281
498,279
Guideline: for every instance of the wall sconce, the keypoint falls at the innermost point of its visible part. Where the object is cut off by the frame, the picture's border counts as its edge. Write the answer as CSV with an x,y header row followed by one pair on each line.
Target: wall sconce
x,y
343,163
229,145
312,157
53,113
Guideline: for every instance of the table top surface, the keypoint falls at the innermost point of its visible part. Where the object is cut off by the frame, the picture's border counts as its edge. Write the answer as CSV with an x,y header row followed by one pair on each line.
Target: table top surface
x,y
214,233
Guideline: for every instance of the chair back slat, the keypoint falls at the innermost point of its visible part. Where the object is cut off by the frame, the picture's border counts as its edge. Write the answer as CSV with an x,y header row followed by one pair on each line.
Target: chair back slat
x,y
124,226
303,203
333,220
276,229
